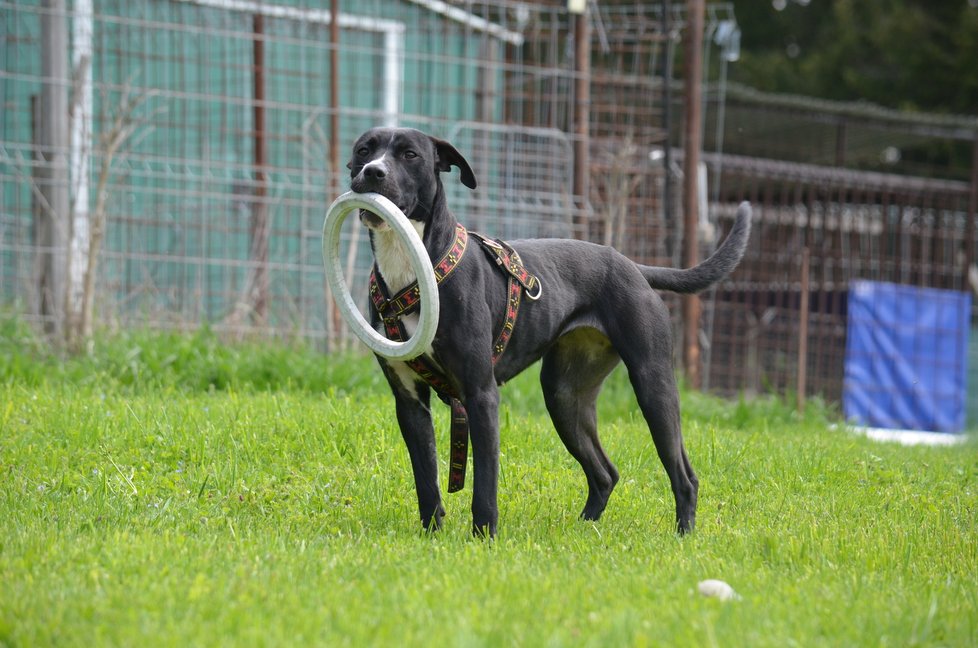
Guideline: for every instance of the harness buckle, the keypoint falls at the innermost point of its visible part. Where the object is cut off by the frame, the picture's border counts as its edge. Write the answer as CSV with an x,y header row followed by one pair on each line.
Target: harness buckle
x,y
490,242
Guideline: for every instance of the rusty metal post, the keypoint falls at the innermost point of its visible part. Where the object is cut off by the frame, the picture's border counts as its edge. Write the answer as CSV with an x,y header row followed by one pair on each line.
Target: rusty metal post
x,y
259,215
667,207
582,118
693,77
485,98
334,95
333,188
37,214
803,331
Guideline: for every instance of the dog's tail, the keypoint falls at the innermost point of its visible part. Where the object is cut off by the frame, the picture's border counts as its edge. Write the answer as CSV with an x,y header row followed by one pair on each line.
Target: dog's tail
x,y
720,264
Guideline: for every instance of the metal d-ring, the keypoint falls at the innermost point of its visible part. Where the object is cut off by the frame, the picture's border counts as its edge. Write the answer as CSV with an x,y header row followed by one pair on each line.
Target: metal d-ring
x,y
539,291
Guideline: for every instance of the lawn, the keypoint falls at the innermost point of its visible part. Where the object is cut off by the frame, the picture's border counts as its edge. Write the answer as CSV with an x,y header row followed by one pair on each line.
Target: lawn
x,y
171,491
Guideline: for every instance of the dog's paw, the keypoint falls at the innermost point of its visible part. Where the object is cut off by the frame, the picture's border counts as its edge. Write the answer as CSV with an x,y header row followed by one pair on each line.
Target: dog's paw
x,y
432,522
484,531
685,526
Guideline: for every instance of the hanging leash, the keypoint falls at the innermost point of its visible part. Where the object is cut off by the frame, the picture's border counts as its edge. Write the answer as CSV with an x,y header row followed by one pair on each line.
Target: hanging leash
x,y
392,309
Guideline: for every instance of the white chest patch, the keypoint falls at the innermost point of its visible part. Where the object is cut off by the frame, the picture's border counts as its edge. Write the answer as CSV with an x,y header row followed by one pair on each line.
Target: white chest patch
x,y
406,376
392,257
394,265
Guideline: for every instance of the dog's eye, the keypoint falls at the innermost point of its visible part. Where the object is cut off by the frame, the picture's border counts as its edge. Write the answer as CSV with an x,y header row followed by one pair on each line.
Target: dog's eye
x,y
362,151
410,155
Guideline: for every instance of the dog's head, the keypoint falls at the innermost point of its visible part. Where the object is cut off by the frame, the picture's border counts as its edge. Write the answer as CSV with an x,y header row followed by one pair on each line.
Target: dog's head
x,y
403,164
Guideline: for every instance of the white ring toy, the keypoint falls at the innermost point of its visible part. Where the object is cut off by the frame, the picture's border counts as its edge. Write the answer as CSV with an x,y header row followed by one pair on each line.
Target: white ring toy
x,y
395,218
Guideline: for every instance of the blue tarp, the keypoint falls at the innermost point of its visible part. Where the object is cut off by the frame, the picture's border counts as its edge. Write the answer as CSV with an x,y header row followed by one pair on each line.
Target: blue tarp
x,y
906,357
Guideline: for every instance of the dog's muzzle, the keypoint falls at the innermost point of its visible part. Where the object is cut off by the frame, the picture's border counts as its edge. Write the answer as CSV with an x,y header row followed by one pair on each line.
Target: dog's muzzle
x,y
372,221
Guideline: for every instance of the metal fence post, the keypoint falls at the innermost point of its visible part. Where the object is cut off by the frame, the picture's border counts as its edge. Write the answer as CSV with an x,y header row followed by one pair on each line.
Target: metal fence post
x,y
693,74
802,381
582,118
52,177
259,217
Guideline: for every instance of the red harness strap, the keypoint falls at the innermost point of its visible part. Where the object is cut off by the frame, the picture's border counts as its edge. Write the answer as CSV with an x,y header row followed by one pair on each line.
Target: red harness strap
x,y
520,279
392,309
406,301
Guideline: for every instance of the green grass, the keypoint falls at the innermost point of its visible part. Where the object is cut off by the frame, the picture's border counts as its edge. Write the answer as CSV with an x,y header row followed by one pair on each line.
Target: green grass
x,y
169,490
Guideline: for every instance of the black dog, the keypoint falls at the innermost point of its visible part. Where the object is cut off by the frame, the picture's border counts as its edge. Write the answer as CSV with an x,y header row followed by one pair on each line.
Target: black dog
x,y
596,308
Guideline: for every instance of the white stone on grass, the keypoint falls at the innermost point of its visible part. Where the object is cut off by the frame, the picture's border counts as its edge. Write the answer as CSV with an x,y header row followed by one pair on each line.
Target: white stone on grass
x,y
718,589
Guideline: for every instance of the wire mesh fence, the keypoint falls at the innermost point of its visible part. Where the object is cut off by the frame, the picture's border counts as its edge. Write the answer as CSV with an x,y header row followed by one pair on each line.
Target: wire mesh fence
x,y
211,135
853,225
233,119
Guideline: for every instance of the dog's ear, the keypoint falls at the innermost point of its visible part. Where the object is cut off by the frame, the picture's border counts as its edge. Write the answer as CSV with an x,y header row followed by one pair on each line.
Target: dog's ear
x,y
448,157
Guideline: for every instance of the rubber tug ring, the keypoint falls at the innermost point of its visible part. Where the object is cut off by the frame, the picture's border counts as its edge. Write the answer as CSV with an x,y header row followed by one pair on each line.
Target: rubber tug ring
x,y
418,343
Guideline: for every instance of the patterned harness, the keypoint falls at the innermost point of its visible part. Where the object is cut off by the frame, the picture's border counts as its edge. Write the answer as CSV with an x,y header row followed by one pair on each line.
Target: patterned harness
x,y
392,309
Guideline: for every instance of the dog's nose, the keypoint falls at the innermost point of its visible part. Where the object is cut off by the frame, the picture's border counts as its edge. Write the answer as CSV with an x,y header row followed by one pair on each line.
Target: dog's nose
x,y
375,171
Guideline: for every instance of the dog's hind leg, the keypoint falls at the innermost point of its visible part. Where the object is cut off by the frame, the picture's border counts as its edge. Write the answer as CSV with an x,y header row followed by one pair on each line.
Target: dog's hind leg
x,y
659,401
482,407
648,358
572,373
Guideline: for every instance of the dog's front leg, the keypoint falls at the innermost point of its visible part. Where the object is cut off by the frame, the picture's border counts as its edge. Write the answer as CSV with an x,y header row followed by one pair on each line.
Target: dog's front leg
x,y
414,419
482,408
411,399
